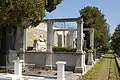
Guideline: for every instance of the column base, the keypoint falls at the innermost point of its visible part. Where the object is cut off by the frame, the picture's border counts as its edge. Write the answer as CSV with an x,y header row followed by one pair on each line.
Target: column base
x,y
49,50
79,70
84,68
48,67
79,51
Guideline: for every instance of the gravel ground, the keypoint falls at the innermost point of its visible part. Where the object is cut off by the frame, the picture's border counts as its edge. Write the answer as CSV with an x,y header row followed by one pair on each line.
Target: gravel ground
x,y
69,75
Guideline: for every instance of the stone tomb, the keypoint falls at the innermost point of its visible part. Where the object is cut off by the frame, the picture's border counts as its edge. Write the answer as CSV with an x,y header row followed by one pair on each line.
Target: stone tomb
x,y
79,59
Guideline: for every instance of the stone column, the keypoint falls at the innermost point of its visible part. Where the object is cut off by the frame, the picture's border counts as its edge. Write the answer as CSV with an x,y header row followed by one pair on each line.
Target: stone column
x,y
24,40
17,69
24,45
85,44
79,68
49,36
18,66
48,65
53,38
63,39
59,40
92,39
84,61
70,39
80,36
90,52
80,62
75,39
60,70
49,61
90,57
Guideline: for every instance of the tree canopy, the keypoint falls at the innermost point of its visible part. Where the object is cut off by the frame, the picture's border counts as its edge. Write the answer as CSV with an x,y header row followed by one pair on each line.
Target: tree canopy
x,y
50,5
22,13
94,18
115,40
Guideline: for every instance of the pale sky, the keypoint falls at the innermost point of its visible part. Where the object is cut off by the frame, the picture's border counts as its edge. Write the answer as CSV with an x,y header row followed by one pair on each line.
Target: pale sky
x,y
70,8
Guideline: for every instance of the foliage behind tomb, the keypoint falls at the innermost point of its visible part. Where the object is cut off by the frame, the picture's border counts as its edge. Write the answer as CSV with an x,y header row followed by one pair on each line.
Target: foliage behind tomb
x,y
94,18
115,40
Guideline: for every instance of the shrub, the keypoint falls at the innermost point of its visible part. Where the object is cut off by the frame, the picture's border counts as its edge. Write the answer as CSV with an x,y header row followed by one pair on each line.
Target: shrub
x,y
63,49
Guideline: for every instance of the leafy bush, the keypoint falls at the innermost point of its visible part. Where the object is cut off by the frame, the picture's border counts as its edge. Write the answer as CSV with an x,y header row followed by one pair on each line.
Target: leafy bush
x,y
63,49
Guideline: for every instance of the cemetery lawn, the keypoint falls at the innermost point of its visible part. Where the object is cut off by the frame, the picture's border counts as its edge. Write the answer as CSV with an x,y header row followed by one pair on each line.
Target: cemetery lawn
x,y
105,69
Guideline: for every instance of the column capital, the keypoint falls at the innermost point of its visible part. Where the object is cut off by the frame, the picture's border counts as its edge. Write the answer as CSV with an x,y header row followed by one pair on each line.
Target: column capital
x,y
90,51
71,30
91,31
81,20
84,52
50,22
60,62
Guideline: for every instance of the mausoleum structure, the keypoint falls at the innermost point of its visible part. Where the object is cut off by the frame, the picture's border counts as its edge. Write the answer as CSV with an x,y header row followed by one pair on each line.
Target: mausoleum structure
x,y
80,62
70,39
48,59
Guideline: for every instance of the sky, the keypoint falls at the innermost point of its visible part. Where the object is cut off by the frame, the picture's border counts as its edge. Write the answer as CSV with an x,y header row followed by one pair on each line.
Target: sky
x,y
71,8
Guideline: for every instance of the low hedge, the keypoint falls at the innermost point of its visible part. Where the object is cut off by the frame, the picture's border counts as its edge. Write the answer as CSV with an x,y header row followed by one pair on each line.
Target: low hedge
x,y
63,49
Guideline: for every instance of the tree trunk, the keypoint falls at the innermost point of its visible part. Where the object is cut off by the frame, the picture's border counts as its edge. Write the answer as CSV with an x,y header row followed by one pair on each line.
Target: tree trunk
x,y
9,37
3,51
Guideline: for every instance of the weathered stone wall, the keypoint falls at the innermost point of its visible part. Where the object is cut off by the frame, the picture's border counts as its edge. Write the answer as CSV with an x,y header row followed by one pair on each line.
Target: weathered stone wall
x,y
39,59
70,58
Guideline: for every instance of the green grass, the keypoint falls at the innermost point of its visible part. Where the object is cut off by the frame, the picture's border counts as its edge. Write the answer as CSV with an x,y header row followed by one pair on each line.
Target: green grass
x,y
105,69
